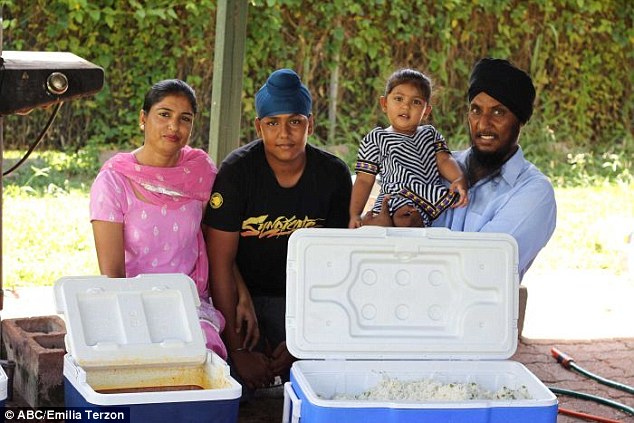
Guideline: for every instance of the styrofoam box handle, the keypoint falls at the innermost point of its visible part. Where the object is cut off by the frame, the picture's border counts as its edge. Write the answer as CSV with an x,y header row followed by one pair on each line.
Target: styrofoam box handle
x,y
291,398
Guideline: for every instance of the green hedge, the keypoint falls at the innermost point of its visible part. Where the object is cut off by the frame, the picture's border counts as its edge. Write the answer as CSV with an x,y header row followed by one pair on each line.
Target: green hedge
x,y
579,52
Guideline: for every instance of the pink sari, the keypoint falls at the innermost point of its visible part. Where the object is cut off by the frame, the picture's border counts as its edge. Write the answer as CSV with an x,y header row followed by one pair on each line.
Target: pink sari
x,y
191,179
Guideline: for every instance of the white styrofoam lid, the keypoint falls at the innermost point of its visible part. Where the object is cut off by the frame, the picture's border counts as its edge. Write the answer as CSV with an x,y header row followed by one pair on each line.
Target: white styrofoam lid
x,y
149,319
401,293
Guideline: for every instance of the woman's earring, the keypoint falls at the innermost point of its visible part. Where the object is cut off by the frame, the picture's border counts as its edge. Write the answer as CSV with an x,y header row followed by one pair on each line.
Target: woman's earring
x,y
142,126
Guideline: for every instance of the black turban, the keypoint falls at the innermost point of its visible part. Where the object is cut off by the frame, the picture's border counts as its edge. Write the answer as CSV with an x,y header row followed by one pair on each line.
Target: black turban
x,y
506,83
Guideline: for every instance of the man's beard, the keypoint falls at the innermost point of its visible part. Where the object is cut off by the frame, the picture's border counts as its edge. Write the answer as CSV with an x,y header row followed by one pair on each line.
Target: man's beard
x,y
495,159
489,159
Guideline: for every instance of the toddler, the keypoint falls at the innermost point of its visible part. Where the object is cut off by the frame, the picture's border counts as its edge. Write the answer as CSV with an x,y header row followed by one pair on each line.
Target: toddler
x,y
409,157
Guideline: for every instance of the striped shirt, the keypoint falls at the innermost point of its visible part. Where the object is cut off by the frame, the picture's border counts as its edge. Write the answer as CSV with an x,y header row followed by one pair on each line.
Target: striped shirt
x,y
407,168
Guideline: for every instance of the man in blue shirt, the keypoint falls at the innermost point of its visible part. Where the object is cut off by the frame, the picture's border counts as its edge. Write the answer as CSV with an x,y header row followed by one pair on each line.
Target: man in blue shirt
x,y
507,193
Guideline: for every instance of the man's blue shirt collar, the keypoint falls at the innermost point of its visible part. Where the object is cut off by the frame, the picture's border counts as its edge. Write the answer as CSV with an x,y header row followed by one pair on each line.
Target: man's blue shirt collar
x,y
509,171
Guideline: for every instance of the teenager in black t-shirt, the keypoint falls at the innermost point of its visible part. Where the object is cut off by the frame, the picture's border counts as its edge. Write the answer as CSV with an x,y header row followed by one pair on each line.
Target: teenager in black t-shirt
x,y
263,192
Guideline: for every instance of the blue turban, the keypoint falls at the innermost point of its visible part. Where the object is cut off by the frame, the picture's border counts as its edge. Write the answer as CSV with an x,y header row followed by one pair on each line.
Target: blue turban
x,y
506,83
283,93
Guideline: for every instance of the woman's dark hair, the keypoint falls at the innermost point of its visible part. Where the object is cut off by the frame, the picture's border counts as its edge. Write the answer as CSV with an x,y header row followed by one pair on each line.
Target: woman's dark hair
x,y
409,76
162,89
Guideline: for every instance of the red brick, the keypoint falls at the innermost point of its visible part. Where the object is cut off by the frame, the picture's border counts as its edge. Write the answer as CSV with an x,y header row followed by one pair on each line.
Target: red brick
x,y
36,345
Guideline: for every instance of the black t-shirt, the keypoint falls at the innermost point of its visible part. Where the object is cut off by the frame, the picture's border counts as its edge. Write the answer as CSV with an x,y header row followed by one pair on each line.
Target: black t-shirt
x,y
247,198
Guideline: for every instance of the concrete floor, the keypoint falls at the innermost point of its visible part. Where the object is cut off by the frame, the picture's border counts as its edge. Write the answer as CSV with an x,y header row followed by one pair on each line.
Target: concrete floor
x,y
585,314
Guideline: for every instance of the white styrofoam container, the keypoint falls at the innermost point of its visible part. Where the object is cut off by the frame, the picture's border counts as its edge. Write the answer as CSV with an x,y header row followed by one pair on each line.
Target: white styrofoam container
x,y
136,342
4,380
410,304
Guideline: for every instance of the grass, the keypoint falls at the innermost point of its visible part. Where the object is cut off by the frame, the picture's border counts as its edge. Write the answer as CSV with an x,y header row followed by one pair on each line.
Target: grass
x,y
593,224
45,238
47,234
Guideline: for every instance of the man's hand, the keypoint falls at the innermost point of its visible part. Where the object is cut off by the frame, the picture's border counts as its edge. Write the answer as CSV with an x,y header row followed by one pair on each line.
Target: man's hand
x,y
246,318
281,360
383,218
355,222
247,321
408,216
253,368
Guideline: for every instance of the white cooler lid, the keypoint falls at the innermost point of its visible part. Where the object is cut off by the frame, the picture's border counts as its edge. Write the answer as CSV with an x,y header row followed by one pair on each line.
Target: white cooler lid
x,y
401,293
149,319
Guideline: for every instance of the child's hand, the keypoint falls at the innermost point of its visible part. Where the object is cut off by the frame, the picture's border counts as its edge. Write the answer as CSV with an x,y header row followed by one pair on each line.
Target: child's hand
x,y
460,186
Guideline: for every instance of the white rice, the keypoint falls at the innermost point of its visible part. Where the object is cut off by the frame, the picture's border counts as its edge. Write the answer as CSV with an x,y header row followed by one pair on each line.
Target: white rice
x,y
390,389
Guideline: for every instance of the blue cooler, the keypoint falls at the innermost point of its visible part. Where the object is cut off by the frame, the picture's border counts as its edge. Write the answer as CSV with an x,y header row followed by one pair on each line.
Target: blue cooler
x,y
410,306
137,343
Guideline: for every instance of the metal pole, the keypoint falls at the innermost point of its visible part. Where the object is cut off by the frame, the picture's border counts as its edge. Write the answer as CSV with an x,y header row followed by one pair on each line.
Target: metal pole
x,y
231,29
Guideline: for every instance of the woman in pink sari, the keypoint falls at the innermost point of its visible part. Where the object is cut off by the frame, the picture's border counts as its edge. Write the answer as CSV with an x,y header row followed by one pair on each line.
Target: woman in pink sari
x,y
146,206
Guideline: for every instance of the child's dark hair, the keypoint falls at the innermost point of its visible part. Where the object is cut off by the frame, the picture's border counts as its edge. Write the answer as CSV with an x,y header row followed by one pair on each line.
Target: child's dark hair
x,y
169,87
409,76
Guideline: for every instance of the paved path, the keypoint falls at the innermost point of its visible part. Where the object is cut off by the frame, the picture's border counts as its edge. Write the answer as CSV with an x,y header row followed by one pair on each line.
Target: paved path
x,y
571,304
576,304
611,358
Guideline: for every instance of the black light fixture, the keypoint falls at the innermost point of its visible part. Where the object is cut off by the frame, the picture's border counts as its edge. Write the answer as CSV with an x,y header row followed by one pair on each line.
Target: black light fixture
x,y
31,79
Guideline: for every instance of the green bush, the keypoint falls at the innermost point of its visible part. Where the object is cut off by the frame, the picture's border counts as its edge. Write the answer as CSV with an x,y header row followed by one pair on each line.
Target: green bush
x,y
580,54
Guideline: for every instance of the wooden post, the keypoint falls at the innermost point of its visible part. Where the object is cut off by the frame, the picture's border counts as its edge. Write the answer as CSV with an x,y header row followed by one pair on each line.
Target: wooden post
x,y
231,29
334,82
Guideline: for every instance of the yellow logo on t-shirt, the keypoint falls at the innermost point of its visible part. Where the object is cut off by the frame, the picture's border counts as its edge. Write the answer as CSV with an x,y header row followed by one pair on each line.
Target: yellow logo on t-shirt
x,y
216,200
263,227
